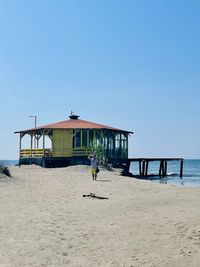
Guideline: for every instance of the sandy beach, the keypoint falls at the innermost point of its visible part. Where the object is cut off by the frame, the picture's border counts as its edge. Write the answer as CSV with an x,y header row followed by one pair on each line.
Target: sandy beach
x,y
45,220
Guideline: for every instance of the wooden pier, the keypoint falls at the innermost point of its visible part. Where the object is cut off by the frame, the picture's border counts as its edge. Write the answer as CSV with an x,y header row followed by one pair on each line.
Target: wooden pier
x,y
144,166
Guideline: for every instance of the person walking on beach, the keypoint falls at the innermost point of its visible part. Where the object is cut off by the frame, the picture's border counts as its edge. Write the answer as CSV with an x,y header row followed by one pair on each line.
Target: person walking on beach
x,y
94,166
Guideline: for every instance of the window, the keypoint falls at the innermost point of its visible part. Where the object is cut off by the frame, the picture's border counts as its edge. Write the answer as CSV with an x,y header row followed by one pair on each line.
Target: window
x,y
91,138
84,137
111,143
98,138
117,141
78,138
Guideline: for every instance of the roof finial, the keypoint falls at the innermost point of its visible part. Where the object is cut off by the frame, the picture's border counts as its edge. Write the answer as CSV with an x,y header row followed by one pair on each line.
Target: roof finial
x,y
73,116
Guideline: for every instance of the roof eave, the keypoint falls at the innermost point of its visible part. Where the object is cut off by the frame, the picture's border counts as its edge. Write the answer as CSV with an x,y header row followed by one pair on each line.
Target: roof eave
x,y
37,129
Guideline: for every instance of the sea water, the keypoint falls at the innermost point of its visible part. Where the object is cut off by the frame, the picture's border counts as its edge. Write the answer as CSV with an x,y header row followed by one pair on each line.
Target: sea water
x,y
8,162
191,172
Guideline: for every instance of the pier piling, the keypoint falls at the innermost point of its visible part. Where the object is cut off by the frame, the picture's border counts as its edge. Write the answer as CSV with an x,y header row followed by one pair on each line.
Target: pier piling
x,y
144,166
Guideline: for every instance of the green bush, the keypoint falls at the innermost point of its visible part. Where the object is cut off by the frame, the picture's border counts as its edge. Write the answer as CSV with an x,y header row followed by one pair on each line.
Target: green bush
x,y
5,170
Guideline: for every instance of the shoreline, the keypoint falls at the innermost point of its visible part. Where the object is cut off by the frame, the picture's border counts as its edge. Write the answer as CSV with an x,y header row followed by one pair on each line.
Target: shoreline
x,y
46,221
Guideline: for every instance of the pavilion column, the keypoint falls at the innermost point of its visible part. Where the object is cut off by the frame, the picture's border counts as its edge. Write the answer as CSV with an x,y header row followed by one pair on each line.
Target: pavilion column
x,y
31,135
88,138
31,144
37,142
43,147
114,145
126,145
108,140
34,140
120,145
106,137
20,144
43,142
94,142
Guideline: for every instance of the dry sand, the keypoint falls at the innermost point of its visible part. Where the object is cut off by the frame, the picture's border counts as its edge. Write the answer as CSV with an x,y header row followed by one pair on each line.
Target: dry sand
x,y
45,221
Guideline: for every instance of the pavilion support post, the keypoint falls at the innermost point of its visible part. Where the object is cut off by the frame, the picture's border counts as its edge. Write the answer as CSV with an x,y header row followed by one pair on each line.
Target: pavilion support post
x,y
126,140
120,146
43,142
87,138
114,154
20,146
43,147
37,143
127,167
181,169
34,140
108,141
31,144
20,143
94,140
31,148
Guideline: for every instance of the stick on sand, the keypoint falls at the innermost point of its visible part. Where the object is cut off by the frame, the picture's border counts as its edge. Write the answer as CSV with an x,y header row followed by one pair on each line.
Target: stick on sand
x,y
94,196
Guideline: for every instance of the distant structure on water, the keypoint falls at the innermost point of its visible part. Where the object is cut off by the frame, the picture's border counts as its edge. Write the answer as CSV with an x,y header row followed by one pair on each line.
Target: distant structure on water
x,y
71,141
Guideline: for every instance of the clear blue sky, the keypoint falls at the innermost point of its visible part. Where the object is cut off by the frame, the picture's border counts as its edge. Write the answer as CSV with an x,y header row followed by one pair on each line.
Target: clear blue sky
x,y
132,64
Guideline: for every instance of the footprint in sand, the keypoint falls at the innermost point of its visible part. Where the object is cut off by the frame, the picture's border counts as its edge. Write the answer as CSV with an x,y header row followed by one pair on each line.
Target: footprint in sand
x,y
65,254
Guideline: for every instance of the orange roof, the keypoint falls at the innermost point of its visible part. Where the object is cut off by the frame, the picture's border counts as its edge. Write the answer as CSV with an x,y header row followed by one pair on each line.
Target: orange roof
x,y
74,124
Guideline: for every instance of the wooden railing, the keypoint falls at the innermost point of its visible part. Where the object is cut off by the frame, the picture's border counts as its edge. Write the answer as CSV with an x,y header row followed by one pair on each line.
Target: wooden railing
x,y
35,153
39,153
47,152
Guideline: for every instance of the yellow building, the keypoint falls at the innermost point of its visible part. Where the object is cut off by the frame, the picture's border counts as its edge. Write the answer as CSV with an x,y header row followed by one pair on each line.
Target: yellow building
x,y
71,141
